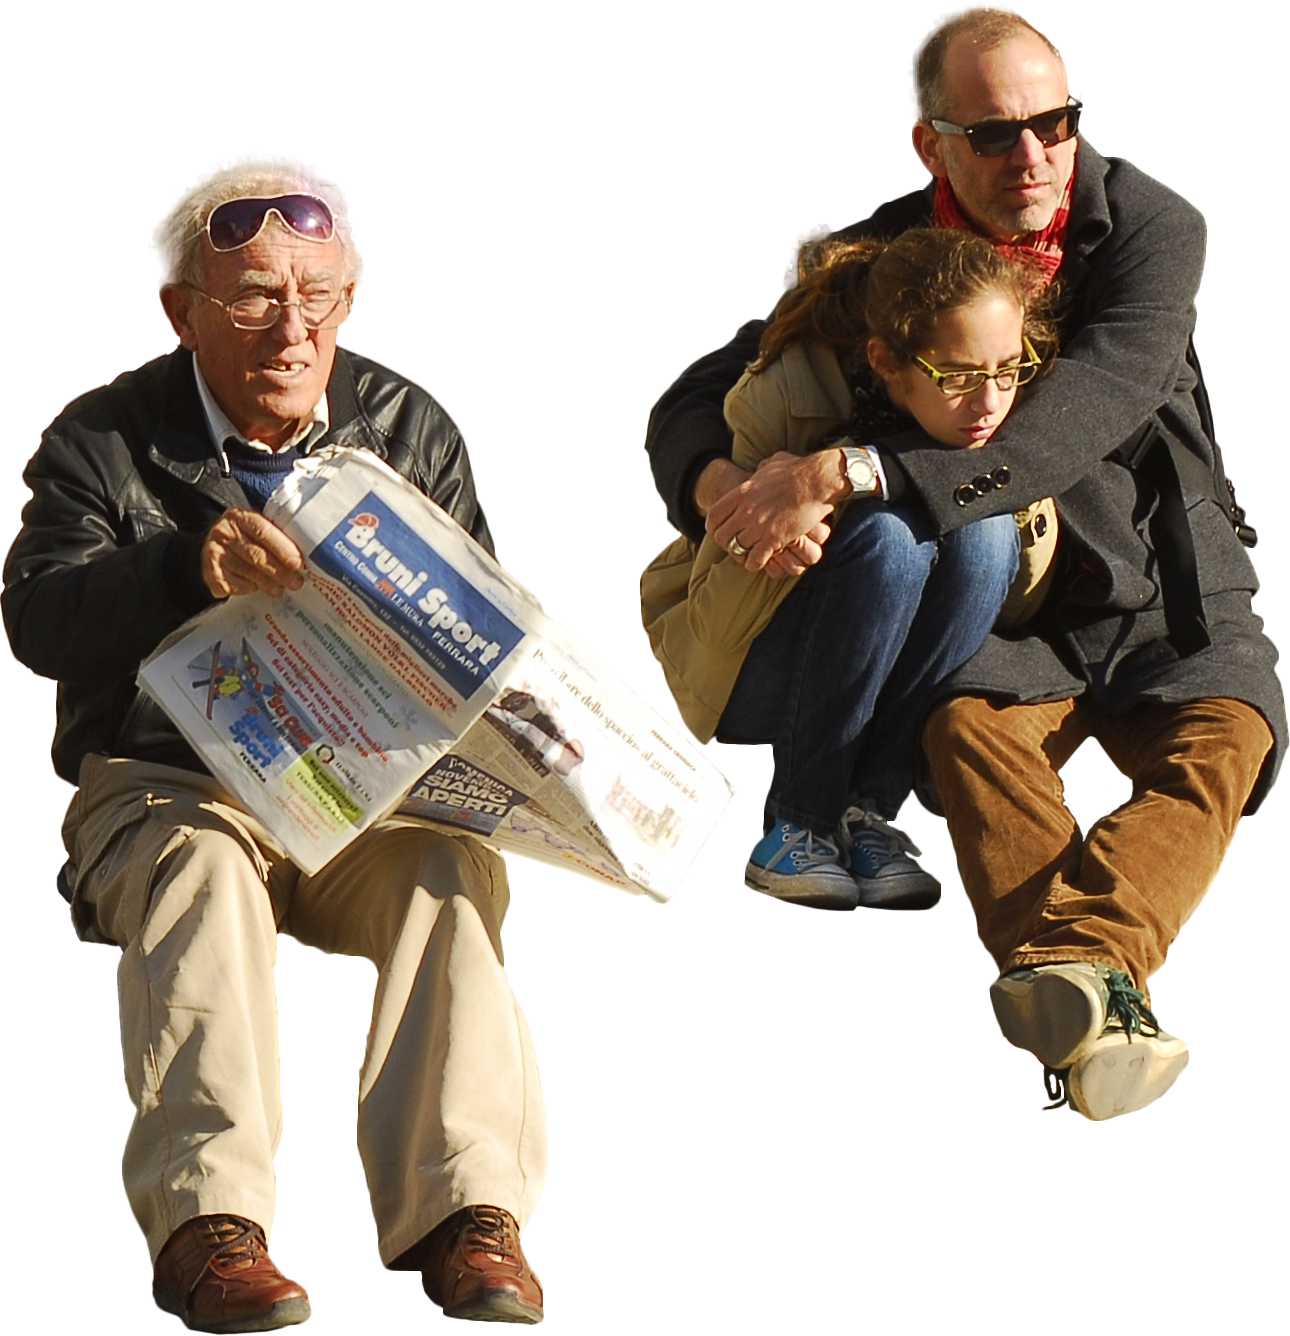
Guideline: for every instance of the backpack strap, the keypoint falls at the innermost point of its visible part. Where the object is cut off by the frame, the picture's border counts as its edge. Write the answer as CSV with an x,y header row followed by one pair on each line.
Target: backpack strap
x,y
1160,460
1222,490
1166,465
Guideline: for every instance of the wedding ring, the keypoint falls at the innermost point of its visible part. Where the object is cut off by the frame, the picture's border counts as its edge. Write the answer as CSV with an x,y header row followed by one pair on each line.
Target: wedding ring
x,y
737,549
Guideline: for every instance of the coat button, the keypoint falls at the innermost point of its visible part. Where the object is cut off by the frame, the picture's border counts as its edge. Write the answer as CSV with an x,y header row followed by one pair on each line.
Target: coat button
x,y
1002,475
982,484
965,495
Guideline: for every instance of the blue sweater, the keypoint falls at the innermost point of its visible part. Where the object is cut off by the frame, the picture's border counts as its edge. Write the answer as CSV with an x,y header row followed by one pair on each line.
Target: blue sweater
x,y
258,471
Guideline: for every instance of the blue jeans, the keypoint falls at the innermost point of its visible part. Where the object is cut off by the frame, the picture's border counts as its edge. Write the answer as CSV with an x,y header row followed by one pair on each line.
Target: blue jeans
x,y
840,680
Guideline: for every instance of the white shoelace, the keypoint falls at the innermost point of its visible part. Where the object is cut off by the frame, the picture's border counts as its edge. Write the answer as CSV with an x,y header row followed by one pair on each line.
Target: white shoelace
x,y
816,851
857,820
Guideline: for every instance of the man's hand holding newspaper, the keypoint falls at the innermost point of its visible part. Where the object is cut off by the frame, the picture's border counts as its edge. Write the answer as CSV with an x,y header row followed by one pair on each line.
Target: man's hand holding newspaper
x,y
410,672
244,553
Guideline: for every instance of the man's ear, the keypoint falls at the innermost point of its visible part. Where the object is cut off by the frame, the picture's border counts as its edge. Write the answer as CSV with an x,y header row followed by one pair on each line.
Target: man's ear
x,y
928,145
177,301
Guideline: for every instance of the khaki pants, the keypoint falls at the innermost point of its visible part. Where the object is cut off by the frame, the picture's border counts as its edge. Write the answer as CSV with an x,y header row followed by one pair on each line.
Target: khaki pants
x,y
1044,892
195,891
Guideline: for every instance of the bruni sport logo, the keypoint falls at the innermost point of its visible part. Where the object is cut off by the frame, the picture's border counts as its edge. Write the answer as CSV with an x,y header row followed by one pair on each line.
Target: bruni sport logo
x,y
362,528
392,576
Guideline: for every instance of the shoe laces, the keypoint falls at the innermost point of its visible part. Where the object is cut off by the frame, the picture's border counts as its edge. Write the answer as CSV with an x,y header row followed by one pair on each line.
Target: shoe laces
x,y
208,1247
1057,1084
491,1230
238,1243
805,851
1126,1007
862,828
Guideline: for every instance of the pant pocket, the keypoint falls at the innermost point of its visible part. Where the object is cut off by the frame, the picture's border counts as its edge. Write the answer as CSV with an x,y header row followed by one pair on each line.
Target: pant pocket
x,y
112,869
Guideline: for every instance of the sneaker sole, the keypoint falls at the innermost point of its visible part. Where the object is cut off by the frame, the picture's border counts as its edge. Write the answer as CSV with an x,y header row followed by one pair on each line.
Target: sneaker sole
x,y
1124,1076
909,891
1054,1016
813,892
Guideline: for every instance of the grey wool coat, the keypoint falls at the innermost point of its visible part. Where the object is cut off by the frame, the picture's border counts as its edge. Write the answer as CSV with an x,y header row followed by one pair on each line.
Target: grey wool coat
x,y
1132,265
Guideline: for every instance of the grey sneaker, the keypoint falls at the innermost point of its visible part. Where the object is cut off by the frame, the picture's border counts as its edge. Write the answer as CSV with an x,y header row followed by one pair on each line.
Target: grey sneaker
x,y
881,862
1055,1011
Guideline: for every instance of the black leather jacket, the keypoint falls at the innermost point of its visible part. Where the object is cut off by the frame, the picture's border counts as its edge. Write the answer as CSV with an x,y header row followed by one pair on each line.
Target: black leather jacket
x,y
125,486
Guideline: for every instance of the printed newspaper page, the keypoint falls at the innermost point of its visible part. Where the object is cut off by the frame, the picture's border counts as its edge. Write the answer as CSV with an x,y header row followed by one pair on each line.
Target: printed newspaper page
x,y
411,669
568,767
318,709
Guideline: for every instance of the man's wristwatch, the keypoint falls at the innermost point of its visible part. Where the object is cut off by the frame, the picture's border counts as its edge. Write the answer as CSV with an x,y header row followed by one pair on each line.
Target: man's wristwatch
x,y
859,471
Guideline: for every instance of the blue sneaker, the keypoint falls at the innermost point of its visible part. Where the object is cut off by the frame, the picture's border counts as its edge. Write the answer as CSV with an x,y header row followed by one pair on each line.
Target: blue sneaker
x,y
790,863
882,866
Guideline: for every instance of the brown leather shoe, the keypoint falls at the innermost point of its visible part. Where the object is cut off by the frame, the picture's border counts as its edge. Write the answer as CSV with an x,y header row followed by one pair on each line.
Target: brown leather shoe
x,y
216,1274
472,1267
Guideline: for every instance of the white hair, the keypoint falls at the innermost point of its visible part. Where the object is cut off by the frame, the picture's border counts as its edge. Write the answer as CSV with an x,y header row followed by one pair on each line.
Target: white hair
x,y
179,236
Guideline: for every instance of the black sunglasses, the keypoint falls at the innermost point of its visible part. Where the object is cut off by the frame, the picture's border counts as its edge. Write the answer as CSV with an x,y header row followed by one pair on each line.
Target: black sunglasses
x,y
240,221
988,139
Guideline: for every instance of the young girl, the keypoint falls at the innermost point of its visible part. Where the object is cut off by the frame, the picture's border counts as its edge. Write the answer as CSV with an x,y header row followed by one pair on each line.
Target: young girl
x,y
836,668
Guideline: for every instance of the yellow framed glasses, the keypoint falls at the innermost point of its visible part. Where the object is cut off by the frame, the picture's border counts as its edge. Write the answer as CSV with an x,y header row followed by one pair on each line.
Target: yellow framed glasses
x,y
954,383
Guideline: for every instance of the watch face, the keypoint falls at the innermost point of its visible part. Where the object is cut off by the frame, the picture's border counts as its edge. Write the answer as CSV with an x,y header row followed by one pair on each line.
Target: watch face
x,y
860,471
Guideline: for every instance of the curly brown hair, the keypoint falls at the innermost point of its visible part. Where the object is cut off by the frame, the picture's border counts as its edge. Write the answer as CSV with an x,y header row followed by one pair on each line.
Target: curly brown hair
x,y
849,291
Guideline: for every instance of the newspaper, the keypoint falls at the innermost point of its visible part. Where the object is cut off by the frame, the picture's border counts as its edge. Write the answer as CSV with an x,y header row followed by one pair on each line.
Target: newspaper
x,y
567,767
412,676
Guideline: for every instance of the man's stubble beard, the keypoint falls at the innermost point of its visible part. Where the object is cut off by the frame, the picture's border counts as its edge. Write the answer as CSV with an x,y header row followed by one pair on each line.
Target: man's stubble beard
x,y
984,202
1011,223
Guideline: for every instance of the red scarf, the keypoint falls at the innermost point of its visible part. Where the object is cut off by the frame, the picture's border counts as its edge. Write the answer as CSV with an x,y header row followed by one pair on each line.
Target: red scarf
x,y
1040,250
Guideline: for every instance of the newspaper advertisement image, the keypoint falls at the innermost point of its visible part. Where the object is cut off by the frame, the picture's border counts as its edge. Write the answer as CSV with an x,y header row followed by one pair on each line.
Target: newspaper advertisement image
x,y
412,673
567,767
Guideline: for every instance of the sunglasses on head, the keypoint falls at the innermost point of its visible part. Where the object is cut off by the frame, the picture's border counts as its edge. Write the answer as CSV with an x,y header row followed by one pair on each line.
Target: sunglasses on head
x,y
238,223
989,139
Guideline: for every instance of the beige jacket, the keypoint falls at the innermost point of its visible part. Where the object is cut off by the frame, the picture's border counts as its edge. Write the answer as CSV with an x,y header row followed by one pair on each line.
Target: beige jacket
x,y
702,610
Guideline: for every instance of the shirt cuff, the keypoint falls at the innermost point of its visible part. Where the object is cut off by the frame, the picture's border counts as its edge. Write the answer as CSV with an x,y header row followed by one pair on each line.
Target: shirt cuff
x,y
878,469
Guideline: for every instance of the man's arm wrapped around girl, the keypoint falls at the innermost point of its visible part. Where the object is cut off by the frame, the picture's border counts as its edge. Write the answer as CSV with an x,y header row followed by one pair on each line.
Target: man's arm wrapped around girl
x,y
792,405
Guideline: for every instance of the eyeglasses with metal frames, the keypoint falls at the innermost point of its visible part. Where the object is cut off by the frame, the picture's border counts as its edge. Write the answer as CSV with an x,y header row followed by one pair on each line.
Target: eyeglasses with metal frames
x,y
257,311
955,383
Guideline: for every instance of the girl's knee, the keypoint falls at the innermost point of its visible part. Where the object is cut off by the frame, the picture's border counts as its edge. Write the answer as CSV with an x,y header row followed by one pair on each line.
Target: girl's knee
x,y
998,533
994,543
886,546
881,527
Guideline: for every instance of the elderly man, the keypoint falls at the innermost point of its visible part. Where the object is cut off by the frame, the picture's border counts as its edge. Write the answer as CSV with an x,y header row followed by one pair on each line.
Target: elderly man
x,y
1147,642
146,507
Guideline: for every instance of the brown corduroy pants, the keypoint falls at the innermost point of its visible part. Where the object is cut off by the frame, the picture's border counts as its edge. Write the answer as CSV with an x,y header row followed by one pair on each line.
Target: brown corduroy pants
x,y
1042,890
